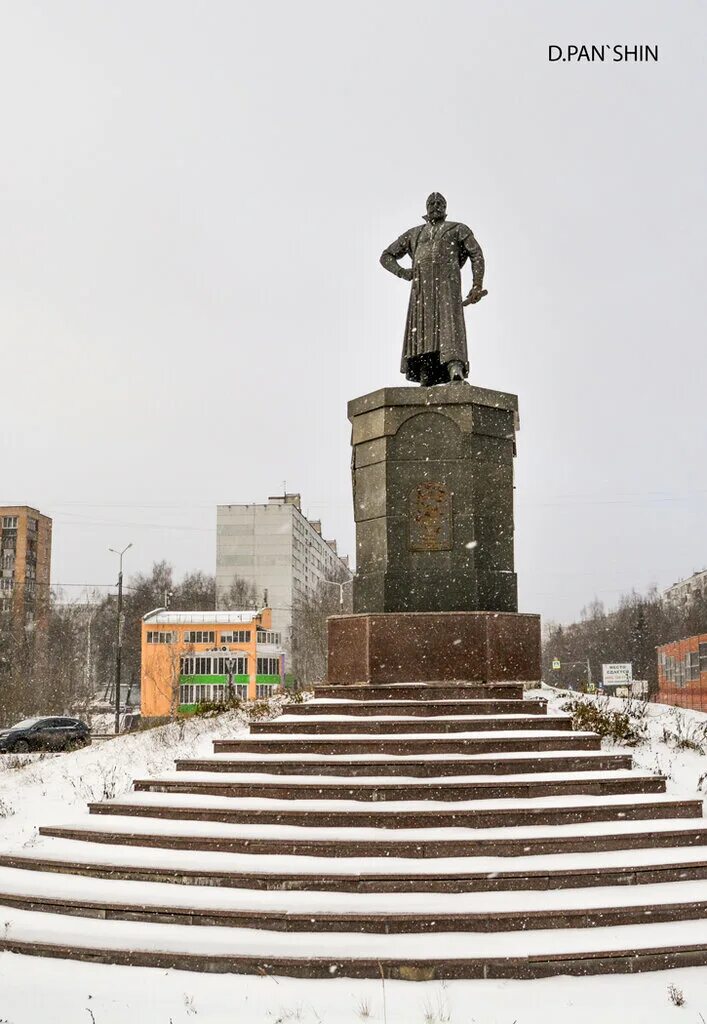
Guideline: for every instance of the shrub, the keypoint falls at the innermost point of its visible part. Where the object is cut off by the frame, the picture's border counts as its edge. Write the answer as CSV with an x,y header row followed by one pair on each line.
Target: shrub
x,y
685,733
675,995
209,709
625,726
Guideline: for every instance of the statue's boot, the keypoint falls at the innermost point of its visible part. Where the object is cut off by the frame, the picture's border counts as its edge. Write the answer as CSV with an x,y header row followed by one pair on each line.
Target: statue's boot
x,y
455,370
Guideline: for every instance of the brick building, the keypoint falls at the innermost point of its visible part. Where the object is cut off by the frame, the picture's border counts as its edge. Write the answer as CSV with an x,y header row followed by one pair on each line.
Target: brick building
x,y
682,673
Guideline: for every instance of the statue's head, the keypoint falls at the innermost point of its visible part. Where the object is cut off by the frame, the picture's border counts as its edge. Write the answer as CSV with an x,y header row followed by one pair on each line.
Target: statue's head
x,y
436,207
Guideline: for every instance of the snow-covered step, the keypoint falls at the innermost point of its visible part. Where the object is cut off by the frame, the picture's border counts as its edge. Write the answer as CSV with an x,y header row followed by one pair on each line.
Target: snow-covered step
x,y
422,692
528,953
372,912
385,788
383,873
350,841
418,766
474,742
327,725
427,708
483,813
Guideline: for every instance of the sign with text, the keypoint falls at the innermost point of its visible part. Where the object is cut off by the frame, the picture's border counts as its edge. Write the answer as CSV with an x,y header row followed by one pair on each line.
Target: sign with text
x,y
617,673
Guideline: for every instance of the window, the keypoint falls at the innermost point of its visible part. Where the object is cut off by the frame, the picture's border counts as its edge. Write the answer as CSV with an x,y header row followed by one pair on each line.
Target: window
x,y
237,665
703,657
693,659
186,694
213,665
199,636
268,667
161,636
268,636
238,636
265,689
9,522
216,693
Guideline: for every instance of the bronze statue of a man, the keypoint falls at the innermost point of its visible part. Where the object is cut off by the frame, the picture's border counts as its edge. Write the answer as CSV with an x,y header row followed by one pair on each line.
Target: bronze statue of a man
x,y
434,351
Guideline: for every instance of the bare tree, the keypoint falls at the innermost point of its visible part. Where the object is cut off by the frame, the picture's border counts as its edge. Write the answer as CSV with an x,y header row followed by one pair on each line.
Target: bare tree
x,y
631,632
240,596
309,628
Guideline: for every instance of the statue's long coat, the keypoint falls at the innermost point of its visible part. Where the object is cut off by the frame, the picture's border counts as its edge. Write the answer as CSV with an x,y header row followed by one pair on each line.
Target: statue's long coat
x,y
435,320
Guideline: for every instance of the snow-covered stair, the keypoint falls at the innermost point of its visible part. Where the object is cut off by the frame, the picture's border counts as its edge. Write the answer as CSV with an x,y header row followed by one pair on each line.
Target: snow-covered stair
x,y
421,831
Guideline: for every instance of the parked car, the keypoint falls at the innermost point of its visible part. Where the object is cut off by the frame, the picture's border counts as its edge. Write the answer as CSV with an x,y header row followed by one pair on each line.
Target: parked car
x,y
44,734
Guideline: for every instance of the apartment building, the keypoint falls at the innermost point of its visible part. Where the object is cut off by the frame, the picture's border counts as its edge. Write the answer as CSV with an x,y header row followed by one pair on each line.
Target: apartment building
x,y
25,564
680,594
280,552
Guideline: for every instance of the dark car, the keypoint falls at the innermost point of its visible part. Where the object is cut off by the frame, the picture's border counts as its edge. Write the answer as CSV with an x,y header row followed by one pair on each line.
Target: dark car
x,y
44,734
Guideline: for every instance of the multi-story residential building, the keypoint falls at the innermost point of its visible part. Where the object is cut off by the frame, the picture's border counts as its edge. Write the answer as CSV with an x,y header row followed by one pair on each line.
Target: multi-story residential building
x,y
684,591
25,564
277,550
191,658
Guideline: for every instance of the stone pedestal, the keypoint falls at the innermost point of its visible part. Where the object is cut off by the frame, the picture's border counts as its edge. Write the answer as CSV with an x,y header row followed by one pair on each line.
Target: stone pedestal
x,y
425,647
433,499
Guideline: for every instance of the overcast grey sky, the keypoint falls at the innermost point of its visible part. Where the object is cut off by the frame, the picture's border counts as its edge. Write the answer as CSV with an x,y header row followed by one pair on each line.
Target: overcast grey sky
x,y
193,199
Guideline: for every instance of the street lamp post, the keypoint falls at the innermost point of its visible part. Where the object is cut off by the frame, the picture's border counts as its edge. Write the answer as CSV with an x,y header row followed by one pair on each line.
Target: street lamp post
x,y
337,583
119,635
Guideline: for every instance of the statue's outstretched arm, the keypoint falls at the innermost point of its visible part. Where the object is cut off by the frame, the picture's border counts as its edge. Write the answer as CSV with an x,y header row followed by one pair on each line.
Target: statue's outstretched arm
x,y
395,251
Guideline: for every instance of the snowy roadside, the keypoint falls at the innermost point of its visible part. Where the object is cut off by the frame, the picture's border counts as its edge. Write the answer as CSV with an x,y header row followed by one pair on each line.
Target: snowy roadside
x,y
81,993
669,734
48,789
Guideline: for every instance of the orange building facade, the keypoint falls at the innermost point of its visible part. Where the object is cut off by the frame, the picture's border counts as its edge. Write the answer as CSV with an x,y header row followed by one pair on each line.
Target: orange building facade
x,y
25,564
192,658
682,673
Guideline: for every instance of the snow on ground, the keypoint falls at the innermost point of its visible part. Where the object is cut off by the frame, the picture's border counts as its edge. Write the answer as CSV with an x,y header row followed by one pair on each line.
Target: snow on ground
x,y
667,730
52,789
49,789
34,991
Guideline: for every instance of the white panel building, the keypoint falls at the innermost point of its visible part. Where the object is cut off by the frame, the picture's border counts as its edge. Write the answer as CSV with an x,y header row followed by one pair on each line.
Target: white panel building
x,y
684,591
278,550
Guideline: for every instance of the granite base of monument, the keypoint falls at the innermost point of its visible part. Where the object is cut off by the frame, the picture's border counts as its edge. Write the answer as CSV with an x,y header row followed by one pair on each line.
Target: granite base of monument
x,y
425,647
434,596
433,499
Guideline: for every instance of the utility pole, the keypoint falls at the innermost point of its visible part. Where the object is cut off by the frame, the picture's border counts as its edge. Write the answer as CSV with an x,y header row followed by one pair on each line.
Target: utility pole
x,y
119,635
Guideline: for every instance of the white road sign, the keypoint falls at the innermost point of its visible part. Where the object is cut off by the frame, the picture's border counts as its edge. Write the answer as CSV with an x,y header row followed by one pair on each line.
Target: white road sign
x,y
617,673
